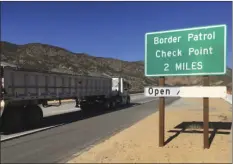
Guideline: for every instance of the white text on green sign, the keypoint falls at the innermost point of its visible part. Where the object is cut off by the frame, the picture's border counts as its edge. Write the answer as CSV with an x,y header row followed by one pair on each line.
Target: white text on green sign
x,y
194,51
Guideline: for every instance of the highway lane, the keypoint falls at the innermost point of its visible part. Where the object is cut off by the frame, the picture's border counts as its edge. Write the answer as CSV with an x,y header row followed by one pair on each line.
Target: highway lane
x,y
70,106
76,133
66,107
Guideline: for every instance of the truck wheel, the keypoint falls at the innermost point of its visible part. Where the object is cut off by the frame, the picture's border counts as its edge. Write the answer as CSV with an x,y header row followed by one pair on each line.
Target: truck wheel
x,y
128,101
12,120
33,116
84,106
107,105
86,109
113,104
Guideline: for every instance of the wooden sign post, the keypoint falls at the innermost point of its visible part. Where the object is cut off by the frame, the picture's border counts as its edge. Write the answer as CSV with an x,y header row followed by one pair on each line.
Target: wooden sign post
x,y
206,116
161,114
190,61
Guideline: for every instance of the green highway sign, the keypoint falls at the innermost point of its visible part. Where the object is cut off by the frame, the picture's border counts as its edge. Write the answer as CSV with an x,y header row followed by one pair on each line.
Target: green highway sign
x,y
186,52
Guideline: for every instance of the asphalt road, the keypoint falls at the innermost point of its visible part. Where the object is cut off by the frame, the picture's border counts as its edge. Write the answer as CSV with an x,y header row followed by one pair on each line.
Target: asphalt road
x,y
67,107
75,133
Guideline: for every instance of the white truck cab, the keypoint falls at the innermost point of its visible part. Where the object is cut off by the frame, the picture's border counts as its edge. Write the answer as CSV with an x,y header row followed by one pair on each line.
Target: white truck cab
x,y
121,87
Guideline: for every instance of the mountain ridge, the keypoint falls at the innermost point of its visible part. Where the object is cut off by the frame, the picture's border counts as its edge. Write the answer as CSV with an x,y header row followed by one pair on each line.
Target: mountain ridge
x,y
56,59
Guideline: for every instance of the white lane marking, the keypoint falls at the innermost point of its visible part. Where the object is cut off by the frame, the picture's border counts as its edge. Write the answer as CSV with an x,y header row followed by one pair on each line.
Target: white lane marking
x,y
7,137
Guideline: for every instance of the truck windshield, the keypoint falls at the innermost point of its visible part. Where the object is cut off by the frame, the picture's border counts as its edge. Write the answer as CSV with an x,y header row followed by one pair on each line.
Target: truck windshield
x,y
126,85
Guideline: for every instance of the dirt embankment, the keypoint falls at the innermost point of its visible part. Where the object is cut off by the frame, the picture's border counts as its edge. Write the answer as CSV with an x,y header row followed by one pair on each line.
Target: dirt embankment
x,y
139,143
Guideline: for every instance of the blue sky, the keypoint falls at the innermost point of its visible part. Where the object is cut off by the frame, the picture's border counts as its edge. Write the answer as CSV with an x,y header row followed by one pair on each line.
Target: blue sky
x,y
107,29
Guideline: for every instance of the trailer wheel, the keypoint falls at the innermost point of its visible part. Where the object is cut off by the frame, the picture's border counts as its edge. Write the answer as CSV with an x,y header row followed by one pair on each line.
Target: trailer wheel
x,y
107,105
84,106
113,104
34,116
12,119
87,108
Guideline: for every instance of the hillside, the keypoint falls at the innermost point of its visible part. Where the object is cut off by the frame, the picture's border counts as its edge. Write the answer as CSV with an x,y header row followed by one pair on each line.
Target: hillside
x,y
52,58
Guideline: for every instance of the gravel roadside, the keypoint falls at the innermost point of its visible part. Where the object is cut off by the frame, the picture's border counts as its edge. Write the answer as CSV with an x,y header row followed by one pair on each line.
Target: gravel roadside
x,y
139,143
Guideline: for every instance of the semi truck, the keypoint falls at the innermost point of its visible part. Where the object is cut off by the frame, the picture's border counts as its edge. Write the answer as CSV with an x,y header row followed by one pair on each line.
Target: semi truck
x,y
24,92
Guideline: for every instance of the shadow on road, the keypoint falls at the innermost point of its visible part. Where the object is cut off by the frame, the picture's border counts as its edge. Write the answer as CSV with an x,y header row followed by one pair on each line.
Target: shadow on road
x,y
66,118
194,127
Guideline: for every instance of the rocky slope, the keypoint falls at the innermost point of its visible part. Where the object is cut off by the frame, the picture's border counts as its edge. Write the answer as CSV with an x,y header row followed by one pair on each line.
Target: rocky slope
x,y
52,58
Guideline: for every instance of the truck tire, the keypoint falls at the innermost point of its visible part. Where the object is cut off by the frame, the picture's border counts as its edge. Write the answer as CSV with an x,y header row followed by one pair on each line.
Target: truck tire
x,y
87,108
84,106
128,101
107,105
12,120
33,116
113,104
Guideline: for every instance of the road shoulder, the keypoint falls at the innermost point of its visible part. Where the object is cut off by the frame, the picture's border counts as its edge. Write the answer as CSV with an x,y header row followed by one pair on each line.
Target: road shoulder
x,y
139,143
